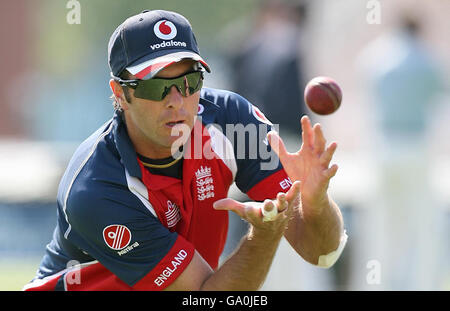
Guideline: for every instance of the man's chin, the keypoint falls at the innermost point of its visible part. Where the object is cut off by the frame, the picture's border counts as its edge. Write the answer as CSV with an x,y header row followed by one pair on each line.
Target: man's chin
x,y
176,148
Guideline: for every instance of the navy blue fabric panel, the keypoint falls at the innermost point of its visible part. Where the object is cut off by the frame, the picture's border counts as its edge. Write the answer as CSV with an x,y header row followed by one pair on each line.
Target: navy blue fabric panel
x,y
100,197
238,120
55,259
80,155
93,195
90,211
59,287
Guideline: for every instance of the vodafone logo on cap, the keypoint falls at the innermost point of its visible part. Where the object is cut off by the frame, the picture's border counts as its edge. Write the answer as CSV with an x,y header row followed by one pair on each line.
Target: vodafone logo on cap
x,y
165,30
117,236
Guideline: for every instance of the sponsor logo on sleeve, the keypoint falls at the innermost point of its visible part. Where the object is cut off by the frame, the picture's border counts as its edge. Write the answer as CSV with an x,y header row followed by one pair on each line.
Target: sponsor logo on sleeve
x,y
117,237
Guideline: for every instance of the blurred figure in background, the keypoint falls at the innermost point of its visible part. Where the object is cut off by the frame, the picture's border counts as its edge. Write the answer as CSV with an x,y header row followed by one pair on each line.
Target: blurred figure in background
x,y
403,81
267,68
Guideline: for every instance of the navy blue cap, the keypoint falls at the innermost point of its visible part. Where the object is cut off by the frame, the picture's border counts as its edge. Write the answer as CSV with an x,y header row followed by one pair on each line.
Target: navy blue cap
x,y
148,42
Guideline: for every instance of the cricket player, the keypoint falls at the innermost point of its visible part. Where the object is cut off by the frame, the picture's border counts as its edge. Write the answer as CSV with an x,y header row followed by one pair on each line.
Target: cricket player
x,y
143,202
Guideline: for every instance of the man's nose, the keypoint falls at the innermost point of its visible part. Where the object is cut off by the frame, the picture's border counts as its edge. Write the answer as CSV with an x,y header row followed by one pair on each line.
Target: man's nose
x,y
174,98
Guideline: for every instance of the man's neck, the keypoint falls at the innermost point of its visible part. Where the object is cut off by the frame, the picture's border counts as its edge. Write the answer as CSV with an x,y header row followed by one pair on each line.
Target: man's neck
x,y
152,153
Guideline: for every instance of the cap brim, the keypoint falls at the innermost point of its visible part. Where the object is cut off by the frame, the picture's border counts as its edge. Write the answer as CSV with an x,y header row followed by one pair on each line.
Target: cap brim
x,y
147,69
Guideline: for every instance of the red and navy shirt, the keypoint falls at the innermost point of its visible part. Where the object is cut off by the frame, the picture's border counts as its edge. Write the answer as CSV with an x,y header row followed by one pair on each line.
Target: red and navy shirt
x,y
121,227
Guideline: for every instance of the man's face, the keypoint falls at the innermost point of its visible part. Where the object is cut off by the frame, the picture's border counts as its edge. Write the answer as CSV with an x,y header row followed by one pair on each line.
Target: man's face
x,y
151,123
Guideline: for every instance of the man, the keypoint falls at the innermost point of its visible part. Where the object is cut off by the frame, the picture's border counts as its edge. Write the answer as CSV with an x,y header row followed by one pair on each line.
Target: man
x,y
143,203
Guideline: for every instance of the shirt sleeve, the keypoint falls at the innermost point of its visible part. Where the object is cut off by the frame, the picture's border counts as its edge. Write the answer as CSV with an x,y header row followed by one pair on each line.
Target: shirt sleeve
x,y
133,249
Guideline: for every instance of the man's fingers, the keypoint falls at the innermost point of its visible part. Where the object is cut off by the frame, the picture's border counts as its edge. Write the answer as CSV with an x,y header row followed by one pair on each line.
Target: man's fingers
x,y
319,139
228,204
282,203
268,205
326,157
329,173
293,192
277,144
307,132
269,211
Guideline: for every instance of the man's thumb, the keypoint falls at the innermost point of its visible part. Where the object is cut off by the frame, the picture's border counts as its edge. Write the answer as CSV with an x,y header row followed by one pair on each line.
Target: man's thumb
x,y
230,205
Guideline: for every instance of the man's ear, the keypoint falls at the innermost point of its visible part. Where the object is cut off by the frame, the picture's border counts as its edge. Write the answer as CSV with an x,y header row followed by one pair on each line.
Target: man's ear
x,y
118,93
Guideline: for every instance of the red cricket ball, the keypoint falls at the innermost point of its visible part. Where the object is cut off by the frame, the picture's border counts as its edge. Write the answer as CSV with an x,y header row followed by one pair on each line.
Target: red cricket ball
x,y
323,95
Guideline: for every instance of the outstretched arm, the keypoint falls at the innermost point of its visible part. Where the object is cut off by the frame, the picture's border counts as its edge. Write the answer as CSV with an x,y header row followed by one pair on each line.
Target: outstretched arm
x,y
316,227
247,267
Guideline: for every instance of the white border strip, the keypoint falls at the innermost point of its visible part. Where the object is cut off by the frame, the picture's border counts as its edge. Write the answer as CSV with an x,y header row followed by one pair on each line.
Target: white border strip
x,y
139,190
222,146
166,58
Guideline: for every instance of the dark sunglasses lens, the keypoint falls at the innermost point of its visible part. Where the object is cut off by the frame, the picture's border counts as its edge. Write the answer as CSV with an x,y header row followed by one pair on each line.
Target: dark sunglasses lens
x,y
150,89
157,89
194,82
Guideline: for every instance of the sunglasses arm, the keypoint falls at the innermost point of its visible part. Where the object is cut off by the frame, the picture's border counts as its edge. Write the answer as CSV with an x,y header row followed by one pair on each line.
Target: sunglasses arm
x,y
130,83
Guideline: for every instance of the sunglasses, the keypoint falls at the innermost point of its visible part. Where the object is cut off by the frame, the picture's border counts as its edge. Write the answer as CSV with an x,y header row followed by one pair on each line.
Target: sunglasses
x,y
157,88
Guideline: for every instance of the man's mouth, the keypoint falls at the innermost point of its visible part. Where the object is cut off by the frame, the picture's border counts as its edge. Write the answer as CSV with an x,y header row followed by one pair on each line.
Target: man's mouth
x,y
174,123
